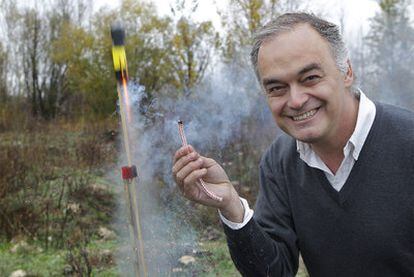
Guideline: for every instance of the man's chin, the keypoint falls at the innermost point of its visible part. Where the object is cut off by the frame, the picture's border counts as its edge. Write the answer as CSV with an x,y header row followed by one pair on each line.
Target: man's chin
x,y
310,133
309,140
306,138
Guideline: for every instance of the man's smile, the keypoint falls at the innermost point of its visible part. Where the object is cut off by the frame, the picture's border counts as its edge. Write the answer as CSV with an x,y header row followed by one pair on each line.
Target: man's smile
x,y
305,115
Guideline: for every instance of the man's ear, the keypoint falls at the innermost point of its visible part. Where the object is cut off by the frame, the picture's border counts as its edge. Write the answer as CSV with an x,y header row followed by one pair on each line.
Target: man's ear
x,y
349,75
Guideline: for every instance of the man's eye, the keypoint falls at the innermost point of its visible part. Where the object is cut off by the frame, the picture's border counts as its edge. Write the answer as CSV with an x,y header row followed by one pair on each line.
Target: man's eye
x,y
311,78
276,91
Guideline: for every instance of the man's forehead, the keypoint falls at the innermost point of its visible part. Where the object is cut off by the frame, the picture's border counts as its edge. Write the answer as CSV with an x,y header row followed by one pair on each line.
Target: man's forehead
x,y
303,29
293,50
301,35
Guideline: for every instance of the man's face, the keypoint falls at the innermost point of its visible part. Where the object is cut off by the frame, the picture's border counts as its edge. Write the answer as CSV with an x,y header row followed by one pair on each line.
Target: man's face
x,y
306,92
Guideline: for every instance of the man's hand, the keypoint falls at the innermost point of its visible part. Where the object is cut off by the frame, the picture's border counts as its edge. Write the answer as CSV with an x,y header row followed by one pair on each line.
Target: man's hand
x,y
189,167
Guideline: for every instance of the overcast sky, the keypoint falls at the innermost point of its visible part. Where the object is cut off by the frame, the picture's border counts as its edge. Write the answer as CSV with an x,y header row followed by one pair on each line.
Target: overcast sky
x,y
356,12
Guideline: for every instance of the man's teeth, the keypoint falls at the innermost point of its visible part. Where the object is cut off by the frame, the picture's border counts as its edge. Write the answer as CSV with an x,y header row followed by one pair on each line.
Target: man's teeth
x,y
304,115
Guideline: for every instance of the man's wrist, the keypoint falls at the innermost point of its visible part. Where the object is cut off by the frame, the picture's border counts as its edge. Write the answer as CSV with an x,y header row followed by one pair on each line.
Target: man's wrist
x,y
234,211
248,214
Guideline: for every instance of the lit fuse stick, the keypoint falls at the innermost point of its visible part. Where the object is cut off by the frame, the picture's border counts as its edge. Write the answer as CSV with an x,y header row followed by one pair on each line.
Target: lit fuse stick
x,y
201,182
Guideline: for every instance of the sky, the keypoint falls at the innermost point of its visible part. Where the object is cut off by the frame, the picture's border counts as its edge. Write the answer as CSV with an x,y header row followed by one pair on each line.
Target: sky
x,y
356,12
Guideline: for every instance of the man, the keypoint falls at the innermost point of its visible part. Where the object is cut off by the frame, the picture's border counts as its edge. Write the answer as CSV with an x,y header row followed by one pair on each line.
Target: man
x,y
338,186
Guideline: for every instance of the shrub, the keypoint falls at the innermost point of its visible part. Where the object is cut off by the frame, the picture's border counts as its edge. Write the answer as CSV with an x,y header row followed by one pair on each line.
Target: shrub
x,y
49,186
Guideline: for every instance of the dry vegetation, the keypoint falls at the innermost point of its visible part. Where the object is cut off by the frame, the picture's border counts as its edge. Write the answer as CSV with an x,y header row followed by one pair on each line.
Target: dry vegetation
x,y
52,194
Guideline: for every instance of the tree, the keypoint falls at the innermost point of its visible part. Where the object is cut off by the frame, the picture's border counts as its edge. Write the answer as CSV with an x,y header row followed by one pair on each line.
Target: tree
x,y
390,42
239,29
251,14
191,47
3,75
165,51
36,65
11,18
60,57
85,85
32,50
147,45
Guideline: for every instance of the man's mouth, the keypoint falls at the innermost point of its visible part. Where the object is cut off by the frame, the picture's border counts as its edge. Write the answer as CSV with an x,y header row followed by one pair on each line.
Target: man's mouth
x,y
305,115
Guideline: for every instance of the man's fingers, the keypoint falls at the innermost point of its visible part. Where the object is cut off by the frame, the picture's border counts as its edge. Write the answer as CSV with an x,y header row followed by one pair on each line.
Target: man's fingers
x,y
208,162
193,177
184,150
189,186
190,167
185,164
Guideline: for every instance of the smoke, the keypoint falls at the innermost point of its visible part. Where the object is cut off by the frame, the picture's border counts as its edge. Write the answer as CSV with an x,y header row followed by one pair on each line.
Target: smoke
x,y
213,114
383,56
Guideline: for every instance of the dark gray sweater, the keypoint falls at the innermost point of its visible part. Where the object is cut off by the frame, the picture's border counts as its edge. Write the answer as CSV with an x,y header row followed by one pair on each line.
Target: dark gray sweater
x,y
366,229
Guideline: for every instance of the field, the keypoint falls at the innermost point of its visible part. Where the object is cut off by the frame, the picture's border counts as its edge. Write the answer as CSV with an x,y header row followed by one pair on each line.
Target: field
x,y
58,205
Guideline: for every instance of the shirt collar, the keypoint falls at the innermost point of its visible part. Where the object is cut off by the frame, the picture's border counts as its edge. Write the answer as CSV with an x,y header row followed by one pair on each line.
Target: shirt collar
x,y
366,116
365,119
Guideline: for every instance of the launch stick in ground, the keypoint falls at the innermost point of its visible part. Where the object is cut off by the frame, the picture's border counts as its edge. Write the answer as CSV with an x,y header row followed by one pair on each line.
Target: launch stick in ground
x,y
129,172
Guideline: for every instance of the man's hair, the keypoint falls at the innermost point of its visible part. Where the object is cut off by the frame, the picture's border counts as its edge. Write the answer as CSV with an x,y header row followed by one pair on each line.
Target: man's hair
x,y
287,22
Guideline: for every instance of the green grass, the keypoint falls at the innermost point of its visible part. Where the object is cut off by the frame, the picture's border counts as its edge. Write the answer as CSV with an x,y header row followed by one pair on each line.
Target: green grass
x,y
215,261
50,263
219,263
35,262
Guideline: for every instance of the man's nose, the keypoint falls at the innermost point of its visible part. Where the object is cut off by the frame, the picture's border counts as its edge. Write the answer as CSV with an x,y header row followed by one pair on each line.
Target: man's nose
x,y
297,97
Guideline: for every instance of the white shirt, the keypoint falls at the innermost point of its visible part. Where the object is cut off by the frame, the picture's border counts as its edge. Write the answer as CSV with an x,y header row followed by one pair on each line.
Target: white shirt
x,y
366,115
365,119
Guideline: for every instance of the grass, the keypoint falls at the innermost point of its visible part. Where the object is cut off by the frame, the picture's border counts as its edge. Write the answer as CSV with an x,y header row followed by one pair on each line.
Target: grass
x,y
214,261
69,163
37,262
53,196
217,261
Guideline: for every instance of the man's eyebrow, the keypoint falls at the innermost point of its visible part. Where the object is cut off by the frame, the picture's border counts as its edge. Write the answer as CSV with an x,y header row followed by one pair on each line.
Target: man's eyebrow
x,y
310,67
267,81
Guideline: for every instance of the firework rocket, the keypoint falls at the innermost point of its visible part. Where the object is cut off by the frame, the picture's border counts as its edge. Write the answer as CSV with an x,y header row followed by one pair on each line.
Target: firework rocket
x,y
129,173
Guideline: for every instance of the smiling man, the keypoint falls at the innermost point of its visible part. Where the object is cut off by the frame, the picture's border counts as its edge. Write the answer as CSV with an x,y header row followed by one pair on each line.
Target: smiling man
x,y
337,186
306,91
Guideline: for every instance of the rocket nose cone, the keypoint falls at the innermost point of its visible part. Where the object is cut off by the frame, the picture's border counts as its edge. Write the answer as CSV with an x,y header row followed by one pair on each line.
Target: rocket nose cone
x,y
118,33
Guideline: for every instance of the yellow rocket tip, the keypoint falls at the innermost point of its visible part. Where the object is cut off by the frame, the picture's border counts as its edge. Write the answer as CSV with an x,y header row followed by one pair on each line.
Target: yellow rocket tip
x,y
120,62
119,57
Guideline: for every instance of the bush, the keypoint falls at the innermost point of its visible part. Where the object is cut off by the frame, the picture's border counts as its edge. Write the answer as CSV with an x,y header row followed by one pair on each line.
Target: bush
x,y
49,186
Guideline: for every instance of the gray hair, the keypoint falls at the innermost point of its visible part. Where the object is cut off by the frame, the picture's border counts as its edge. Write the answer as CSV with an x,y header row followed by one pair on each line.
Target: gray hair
x,y
287,22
